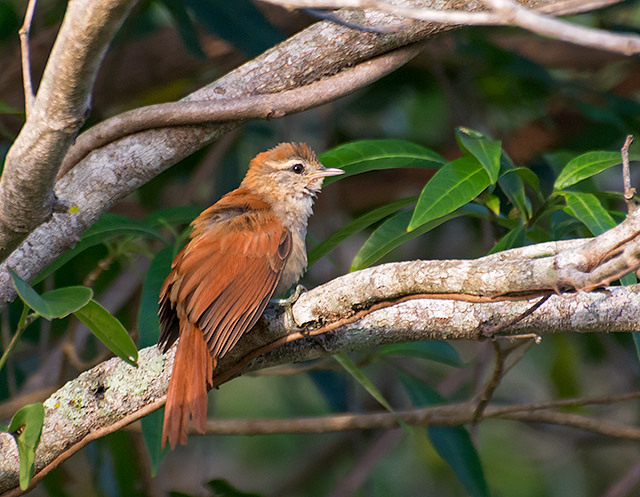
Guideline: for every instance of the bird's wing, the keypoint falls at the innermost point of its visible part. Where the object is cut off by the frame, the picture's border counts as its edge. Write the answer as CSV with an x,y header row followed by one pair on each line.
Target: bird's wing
x,y
223,279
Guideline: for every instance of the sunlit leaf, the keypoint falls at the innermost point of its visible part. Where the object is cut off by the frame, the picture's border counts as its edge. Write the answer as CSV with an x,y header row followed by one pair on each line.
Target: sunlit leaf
x,y
485,150
589,211
454,185
26,427
393,233
586,165
370,155
109,331
356,226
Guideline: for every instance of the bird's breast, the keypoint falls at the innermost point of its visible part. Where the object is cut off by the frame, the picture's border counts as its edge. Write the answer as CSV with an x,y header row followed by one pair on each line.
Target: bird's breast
x,y
296,263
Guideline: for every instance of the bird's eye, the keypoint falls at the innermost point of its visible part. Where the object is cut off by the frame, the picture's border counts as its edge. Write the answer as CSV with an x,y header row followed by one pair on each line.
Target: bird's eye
x,y
298,168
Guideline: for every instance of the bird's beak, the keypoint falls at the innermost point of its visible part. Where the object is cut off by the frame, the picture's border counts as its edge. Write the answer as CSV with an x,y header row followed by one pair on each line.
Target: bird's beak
x,y
324,172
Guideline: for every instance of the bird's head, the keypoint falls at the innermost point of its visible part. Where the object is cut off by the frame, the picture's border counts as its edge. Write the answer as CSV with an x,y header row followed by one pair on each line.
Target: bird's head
x,y
288,170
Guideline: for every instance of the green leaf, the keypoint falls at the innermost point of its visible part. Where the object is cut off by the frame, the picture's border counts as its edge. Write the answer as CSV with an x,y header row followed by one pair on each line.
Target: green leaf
x,y
393,233
370,155
182,214
222,488
513,187
26,427
454,185
514,238
528,176
148,324
57,303
589,211
104,229
29,296
359,376
586,165
485,150
453,444
109,331
356,226
437,351
151,426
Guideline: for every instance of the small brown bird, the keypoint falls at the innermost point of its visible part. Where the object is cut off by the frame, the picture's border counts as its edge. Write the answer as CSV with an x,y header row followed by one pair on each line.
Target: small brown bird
x,y
242,250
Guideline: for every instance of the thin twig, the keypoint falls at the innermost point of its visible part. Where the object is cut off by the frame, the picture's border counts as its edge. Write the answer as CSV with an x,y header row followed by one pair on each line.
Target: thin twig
x,y
629,192
514,14
24,32
502,13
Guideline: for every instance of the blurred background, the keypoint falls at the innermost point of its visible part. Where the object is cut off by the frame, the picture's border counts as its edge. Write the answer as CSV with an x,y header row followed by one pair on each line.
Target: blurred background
x,y
547,102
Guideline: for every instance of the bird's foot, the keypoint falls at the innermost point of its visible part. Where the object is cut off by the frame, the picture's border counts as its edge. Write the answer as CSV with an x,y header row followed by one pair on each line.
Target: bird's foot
x,y
289,321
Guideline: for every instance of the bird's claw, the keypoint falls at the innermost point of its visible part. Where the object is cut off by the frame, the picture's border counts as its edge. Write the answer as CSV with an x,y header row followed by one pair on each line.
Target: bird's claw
x,y
289,321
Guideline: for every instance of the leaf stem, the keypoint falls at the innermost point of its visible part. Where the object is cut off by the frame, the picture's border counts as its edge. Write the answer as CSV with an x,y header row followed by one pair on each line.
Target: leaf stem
x,y
22,325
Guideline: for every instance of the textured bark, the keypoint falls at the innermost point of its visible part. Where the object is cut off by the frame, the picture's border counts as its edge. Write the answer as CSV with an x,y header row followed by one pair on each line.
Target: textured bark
x,y
113,172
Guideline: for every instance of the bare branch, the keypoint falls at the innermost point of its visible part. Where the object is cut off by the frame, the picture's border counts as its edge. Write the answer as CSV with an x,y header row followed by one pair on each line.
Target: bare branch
x,y
510,13
629,192
268,106
60,108
24,32
114,394
501,13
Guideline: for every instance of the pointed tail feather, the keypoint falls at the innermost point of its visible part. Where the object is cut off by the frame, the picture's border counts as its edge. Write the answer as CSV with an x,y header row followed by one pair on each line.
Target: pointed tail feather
x,y
187,394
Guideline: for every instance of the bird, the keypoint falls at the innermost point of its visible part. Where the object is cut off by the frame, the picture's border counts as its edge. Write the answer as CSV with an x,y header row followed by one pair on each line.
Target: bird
x,y
247,247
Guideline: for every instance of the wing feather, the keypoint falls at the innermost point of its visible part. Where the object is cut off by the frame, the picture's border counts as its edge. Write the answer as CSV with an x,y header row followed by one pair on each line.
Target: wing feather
x,y
223,279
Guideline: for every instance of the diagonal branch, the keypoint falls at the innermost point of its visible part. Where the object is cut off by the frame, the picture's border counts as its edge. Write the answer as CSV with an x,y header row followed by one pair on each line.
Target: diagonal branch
x,y
55,116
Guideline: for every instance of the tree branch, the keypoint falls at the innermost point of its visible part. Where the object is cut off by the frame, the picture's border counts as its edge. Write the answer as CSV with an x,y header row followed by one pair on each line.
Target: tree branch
x,y
114,394
268,106
501,13
55,116
114,171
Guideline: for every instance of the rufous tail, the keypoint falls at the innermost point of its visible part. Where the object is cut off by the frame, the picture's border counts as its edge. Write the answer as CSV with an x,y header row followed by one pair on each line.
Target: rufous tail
x,y
187,394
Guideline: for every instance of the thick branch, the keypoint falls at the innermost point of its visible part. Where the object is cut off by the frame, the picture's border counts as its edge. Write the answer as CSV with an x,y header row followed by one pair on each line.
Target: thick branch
x,y
112,172
114,394
60,108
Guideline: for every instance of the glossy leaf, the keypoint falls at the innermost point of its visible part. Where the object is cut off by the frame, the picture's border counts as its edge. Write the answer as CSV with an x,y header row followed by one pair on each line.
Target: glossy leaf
x,y
109,331
26,427
454,185
356,226
453,444
589,211
104,229
370,155
485,150
441,352
584,166
393,233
